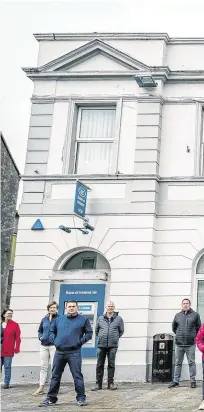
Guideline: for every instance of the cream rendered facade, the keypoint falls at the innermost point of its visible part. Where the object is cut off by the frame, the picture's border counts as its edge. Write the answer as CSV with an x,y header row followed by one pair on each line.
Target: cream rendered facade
x,y
148,210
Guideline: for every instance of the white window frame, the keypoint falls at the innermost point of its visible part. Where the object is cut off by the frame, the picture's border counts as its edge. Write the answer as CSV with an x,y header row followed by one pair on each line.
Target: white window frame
x,y
202,141
69,166
199,141
197,277
93,140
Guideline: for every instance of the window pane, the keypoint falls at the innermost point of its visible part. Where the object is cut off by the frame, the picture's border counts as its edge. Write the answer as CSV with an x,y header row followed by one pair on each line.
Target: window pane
x,y
75,262
202,146
200,299
88,263
93,158
97,123
200,265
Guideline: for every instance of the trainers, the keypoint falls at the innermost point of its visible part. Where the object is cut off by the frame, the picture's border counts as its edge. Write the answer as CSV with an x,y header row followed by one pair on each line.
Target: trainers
x,y
173,384
112,387
201,407
82,402
96,388
39,391
46,402
193,385
6,386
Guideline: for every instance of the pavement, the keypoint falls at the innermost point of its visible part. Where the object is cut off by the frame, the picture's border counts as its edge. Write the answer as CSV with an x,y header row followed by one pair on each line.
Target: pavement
x,y
130,397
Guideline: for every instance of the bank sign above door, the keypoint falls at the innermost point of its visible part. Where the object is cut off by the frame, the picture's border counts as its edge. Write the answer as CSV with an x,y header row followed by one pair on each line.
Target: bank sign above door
x,y
80,199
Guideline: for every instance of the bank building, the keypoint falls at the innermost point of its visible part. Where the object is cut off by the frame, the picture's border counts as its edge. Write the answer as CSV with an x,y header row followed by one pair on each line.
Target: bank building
x,y
120,117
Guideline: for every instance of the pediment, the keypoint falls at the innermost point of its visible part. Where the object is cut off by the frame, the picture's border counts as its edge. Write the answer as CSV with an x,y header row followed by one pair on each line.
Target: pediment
x,y
94,56
97,62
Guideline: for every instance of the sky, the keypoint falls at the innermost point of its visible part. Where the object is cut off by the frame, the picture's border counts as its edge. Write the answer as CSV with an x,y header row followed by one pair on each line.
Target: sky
x,y
18,47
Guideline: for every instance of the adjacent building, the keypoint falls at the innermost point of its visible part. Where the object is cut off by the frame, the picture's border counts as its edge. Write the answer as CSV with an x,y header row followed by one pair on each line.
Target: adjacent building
x,y
123,113
10,177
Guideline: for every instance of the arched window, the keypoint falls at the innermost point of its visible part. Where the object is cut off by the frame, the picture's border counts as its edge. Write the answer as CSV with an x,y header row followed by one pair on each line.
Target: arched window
x,y
200,265
200,287
86,260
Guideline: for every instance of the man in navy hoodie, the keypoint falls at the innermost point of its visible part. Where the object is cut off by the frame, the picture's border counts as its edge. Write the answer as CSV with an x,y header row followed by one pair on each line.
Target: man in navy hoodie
x,y
68,333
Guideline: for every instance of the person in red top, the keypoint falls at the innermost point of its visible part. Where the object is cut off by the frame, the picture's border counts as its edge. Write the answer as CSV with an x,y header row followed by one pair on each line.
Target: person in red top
x,y
200,345
10,343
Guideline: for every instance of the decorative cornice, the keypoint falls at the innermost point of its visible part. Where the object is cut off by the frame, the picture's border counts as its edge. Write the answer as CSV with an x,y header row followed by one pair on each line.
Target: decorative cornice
x,y
99,98
162,73
89,178
113,98
34,74
104,36
43,99
181,100
150,99
78,98
186,74
186,40
118,36
113,178
182,179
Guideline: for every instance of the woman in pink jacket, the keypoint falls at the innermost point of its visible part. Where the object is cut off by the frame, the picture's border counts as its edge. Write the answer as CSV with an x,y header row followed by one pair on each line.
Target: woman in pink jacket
x,y
200,345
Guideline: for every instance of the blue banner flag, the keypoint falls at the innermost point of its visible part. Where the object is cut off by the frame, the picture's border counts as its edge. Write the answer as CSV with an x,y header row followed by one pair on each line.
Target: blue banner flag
x,y
80,199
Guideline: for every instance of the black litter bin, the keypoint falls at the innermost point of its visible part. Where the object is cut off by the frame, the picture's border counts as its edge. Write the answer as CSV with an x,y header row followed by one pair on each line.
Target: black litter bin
x,y
162,359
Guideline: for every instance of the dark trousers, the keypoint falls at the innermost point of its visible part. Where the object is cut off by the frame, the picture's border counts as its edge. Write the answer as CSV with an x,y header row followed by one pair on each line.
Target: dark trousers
x,y
180,351
101,358
74,361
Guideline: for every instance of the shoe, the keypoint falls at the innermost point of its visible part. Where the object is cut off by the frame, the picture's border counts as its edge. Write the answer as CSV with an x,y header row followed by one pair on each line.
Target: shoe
x,y
173,384
46,402
6,386
201,407
82,402
112,387
193,385
97,388
39,391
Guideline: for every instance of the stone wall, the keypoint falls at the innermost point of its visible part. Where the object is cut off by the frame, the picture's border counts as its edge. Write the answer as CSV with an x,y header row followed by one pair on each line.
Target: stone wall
x,y
9,191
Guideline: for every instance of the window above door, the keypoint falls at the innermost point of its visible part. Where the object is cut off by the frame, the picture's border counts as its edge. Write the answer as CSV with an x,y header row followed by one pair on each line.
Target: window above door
x,y
92,141
86,260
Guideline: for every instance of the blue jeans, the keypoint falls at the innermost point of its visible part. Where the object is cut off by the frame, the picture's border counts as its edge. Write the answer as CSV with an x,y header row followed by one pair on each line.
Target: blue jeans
x,y
203,377
6,361
74,360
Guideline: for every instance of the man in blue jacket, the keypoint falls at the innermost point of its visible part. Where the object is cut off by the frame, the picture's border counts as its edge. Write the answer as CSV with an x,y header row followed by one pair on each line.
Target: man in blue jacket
x,y
68,333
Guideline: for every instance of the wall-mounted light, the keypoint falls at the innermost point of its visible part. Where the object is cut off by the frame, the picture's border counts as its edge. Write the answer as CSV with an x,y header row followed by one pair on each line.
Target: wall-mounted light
x,y
145,81
85,229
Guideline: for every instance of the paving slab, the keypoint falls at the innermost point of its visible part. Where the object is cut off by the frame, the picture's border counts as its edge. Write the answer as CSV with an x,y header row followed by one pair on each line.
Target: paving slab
x,y
137,397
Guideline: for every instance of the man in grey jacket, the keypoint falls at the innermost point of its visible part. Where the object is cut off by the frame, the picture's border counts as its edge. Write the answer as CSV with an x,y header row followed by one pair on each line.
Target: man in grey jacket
x,y
109,329
185,326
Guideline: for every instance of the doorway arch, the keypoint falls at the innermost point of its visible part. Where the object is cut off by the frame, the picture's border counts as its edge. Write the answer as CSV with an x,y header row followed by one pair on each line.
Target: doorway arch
x,y
199,286
75,257
81,265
